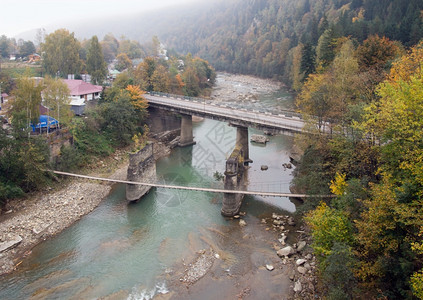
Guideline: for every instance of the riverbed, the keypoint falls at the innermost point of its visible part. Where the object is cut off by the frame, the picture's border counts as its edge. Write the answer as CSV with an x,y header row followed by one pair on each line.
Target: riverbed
x,y
173,244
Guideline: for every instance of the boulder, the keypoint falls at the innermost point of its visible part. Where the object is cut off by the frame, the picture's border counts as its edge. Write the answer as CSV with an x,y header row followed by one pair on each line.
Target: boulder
x,y
297,287
301,245
300,261
302,270
278,222
13,242
287,251
261,139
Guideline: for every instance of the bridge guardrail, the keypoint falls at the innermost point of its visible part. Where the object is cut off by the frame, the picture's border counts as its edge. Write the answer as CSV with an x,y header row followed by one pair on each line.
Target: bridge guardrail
x,y
287,113
231,116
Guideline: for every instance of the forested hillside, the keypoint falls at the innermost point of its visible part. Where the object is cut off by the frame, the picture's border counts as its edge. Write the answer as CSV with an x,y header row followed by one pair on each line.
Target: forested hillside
x,y
261,37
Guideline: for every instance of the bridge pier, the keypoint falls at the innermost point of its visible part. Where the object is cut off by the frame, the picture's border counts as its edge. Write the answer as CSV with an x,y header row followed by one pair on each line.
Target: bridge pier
x,y
234,180
242,140
187,137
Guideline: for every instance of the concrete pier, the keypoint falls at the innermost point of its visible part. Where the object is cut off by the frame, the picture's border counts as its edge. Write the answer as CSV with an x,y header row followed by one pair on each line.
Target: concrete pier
x,y
142,168
187,137
234,180
242,140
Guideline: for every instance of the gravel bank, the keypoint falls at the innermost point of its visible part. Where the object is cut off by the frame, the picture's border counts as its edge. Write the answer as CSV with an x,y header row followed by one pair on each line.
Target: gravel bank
x,y
233,87
47,213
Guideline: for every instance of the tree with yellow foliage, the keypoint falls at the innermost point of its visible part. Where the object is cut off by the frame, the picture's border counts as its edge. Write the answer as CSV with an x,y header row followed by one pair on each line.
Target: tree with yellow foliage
x,y
138,100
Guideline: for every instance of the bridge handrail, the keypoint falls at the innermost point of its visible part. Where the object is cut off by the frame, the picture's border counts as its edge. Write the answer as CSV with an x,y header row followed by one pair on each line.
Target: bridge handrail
x,y
269,194
287,113
232,116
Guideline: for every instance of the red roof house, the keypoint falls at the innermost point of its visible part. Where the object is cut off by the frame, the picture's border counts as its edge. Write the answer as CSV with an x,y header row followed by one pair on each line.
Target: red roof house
x,y
80,92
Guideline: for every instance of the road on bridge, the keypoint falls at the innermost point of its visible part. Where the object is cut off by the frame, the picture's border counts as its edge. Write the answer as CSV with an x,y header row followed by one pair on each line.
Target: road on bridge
x,y
237,116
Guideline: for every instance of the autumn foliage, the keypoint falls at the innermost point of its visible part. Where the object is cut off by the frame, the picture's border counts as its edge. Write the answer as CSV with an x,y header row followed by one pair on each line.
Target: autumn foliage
x,y
378,211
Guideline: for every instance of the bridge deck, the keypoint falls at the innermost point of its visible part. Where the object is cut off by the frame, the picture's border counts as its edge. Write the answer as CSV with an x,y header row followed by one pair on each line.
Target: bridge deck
x,y
243,117
258,193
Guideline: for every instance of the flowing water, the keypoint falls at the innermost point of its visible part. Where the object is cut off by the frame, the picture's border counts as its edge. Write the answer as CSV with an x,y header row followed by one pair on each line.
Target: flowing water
x,y
135,251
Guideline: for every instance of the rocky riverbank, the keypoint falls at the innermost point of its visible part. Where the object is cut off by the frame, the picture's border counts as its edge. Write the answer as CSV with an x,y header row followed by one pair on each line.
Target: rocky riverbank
x,y
235,87
286,272
46,213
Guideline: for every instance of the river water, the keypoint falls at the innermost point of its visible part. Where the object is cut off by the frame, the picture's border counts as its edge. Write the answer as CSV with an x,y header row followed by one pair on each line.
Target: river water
x,y
139,251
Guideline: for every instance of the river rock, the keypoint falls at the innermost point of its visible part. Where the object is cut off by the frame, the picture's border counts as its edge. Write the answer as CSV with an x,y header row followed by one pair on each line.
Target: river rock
x,y
287,251
261,139
301,245
291,221
264,167
270,267
283,238
302,270
287,165
276,216
277,222
300,261
297,287
13,242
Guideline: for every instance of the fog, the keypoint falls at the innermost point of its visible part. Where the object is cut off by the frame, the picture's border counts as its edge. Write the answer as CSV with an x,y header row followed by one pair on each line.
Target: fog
x,y
26,15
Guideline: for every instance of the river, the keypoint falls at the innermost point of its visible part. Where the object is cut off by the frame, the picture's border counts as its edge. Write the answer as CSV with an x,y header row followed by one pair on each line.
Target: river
x,y
142,250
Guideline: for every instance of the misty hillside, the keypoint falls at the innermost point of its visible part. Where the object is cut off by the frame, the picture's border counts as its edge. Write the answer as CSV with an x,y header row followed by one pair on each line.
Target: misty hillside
x,y
256,36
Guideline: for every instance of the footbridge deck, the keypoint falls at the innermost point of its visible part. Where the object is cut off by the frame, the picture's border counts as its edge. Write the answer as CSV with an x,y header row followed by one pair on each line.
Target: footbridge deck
x,y
199,189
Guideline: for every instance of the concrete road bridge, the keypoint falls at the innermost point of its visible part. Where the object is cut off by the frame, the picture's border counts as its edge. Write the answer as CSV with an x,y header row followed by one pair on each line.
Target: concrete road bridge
x,y
285,122
142,166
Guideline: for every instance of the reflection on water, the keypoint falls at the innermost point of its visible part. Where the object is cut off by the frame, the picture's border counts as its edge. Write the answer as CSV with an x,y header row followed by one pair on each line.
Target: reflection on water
x,y
130,251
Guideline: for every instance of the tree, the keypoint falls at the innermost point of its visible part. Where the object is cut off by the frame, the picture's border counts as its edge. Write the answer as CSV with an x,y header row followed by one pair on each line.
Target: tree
x,y
314,100
325,50
132,48
61,53
26,49
4,46
191,81
27,99
396,119
120,119
308,60
328,227
40,37
137,100
377,53
56,98
392,220
110,46
327,96
96,66
160,80
144,73
123,62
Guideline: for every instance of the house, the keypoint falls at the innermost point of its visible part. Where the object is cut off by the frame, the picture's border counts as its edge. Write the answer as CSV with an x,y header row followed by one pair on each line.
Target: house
x,y
33,58
80,93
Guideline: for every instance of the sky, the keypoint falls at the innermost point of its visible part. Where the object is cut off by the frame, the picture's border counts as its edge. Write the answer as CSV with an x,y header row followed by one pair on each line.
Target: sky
x,y
18,16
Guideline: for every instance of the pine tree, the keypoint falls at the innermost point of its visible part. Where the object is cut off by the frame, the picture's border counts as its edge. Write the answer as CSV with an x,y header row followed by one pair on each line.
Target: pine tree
x,y
96,66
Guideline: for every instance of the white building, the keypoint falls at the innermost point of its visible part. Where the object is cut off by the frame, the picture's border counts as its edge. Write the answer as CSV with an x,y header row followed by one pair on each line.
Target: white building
x,y
80,93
